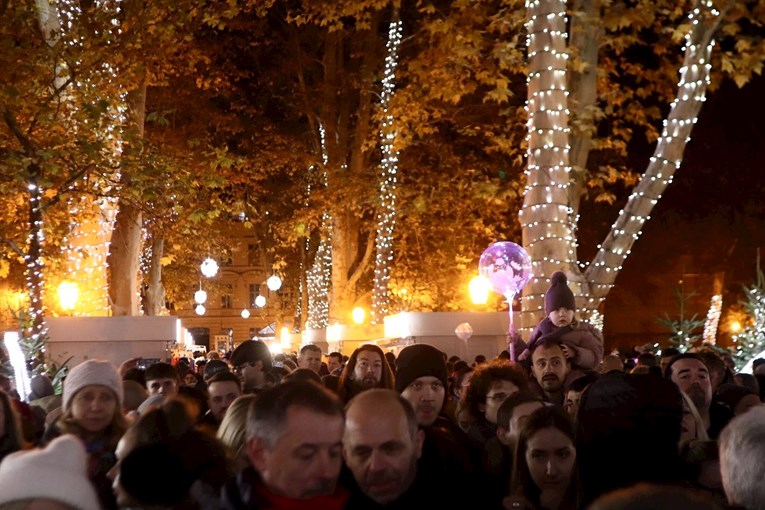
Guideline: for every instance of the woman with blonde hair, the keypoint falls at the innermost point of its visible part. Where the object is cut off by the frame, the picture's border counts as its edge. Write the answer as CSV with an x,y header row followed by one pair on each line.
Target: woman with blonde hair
x,y
692,426
92,411
232,431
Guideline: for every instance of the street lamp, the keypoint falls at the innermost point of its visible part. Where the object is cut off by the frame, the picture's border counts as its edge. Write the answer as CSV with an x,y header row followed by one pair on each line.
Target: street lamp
x,y
479,290
260,301
209,267
200,296
358,315
245,314
68,292
200,309
274,283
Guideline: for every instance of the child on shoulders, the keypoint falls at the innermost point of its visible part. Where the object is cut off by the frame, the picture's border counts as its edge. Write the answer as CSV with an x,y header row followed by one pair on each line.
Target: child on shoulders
x,y
582,344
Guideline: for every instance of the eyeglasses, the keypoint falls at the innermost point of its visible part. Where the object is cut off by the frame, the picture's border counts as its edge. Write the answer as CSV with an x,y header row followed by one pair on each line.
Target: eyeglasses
x,y
498,397
238,369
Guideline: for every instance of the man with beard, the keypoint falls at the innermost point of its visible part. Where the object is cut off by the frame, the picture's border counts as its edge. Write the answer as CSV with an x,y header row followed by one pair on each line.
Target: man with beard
x,y
367,368
550,368
691,375
383,449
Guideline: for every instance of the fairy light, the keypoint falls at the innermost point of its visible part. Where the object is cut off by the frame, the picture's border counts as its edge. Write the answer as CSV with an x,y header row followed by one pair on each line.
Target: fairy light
x,y
386,215
750,341
713,320
85,247
546,216
319,276
35,279
85,250
549,224
667,158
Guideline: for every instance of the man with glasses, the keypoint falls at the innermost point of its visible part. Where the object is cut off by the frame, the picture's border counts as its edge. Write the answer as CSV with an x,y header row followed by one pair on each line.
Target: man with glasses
x,y
490,385
252,362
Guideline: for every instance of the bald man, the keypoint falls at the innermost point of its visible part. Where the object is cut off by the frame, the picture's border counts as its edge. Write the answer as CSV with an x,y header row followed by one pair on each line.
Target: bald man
x,y
381,445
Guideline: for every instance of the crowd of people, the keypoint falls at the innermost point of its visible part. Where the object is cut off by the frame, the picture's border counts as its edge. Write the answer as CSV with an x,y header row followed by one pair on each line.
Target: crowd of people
x,y
563,427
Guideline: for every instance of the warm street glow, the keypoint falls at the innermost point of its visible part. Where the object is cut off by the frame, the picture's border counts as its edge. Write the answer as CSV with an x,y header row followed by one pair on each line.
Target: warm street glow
x,y
358,315
735,327
479,290
68,292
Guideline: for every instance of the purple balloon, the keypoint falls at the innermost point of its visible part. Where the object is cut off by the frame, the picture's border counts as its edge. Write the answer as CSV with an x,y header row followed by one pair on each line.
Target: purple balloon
x,y
507,266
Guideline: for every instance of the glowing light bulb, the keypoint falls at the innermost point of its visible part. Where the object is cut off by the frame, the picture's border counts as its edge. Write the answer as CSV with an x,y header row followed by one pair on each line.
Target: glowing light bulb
x,y
274,283
209,267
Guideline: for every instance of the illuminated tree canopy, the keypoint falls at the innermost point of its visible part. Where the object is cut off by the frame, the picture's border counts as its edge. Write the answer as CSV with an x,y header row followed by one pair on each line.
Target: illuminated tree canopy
x,y
224,103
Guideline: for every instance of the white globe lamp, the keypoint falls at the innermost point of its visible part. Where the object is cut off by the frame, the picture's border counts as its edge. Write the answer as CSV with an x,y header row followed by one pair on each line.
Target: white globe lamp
x,y
209,267
274,283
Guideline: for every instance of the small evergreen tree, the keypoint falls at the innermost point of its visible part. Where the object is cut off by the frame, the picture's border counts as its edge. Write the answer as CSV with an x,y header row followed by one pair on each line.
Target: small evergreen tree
x,y
685,331
751,340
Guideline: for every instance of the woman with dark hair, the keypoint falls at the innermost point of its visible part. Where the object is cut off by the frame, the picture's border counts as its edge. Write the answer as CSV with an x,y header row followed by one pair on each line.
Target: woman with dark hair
x,y
366,368
545,475
11,439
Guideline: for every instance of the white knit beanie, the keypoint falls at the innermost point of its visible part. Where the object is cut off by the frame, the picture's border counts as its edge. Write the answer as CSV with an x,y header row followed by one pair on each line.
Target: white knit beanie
x,y
89,372
57,472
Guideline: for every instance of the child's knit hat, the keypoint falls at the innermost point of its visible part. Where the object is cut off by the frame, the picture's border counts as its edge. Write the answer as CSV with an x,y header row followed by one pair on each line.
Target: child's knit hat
x,y
57,472
559,295
89,372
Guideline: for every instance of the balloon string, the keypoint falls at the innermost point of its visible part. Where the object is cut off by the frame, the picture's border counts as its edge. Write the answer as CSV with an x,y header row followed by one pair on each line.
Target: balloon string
x,y
511,330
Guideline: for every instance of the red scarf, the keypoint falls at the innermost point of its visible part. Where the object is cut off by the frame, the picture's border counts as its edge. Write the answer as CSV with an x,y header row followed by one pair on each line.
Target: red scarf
x,y
268,500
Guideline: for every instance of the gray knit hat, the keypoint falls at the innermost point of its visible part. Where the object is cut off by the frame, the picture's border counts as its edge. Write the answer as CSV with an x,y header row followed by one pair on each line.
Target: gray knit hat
x,y
89,372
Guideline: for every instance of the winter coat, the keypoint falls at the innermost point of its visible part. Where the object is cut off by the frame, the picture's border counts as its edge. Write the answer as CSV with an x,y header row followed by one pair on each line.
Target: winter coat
x,y
581,337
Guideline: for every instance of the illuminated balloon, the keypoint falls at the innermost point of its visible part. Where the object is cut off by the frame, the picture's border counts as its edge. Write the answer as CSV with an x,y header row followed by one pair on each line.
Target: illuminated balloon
x,y
464,331
507,266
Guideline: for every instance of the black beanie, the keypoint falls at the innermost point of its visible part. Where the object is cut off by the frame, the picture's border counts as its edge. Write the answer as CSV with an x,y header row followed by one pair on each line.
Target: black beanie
x,y
559,295
419,360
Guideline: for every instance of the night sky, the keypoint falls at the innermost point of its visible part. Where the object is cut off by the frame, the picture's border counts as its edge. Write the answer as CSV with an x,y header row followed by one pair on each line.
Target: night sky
x,y
710,219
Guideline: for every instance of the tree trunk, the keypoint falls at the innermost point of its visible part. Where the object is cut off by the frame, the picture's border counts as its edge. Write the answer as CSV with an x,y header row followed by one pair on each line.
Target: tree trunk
x,y
347,131
548,232
586,33
125,249
666,159
155,291
33,259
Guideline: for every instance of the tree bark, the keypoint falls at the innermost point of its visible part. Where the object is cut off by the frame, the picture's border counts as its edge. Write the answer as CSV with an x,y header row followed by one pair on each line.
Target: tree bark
x,y
155,291
125,249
